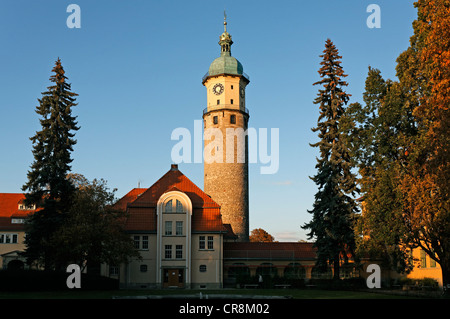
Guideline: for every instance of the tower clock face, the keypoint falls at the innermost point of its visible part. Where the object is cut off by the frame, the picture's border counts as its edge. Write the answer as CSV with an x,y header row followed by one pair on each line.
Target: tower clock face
x,y
218,89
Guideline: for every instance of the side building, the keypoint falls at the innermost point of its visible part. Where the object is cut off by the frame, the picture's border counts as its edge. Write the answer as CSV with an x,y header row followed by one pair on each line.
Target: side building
x,y
13,214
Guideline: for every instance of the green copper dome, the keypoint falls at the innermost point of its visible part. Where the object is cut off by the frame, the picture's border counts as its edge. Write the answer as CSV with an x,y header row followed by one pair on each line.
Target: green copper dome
x,y
225,64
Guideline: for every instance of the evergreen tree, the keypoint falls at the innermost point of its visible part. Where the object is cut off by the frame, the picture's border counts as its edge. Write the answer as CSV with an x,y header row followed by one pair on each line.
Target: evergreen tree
x,y
47,186
333,210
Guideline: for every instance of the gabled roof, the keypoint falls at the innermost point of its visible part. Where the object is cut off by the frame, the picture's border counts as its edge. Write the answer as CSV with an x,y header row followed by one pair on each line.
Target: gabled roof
x,y
131,196
141,204
9,207
174,179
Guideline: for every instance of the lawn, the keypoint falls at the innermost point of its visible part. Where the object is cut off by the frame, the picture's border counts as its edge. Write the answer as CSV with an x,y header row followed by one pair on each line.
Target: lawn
x,y
292,293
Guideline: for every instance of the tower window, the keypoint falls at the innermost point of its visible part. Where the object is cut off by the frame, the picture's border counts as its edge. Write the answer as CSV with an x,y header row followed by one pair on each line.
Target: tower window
x,y
233,119
231,87
215,120
218,102
231,101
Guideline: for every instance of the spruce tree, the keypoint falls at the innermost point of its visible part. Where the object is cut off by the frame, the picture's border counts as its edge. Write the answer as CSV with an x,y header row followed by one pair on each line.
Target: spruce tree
x,y
334,209
48,187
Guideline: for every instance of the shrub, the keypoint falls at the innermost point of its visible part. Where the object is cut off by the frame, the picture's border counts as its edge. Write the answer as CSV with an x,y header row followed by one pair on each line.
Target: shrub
x,y
35,280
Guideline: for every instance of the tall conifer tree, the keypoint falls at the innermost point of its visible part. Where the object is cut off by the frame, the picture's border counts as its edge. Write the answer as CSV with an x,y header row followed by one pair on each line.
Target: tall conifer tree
x,y
47,186
333,210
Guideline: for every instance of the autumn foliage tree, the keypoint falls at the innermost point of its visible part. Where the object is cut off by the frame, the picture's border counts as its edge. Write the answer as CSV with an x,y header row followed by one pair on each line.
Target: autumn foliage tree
x,y
406,134
259,235
425,183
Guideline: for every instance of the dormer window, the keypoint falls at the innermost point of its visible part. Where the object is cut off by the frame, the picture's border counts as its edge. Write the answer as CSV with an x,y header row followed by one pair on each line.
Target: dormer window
x,y
24,207
17,221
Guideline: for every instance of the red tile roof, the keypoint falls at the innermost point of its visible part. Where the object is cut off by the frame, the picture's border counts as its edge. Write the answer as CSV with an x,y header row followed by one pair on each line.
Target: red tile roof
x,y
9,207
128,198
278,250
141,204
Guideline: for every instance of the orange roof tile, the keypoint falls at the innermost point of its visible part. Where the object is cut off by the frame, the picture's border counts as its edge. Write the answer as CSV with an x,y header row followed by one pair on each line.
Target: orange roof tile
x,y
9,207
141,204
280,250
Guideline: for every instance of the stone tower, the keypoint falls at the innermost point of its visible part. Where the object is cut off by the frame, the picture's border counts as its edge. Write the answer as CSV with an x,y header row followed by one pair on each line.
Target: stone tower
x,y
226,144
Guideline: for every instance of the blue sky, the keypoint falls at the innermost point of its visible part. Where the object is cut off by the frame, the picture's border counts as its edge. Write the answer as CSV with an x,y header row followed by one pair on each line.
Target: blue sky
x,y
137,67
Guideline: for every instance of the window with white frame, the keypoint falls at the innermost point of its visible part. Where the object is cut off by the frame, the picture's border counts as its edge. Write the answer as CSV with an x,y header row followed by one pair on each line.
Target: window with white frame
x,y
113,270
168,228
140,242
201,242
210,242
179,251
8,238
168,251
179,228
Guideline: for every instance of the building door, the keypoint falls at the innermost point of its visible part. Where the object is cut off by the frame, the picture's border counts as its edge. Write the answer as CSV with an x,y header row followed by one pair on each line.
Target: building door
x,y
173,278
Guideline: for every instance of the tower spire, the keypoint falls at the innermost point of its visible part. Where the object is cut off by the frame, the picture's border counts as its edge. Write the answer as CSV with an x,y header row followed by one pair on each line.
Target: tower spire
x,y
224,21
225,41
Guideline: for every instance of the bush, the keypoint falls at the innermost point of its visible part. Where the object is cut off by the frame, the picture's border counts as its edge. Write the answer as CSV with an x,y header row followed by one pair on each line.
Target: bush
x,y
35,280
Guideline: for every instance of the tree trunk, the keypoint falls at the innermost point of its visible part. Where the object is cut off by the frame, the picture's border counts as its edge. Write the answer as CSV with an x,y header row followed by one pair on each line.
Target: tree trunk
x,y
446,278
336,269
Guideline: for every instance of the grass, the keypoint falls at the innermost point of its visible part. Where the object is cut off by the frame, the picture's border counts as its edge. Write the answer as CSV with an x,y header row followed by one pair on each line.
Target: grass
x,y
293,293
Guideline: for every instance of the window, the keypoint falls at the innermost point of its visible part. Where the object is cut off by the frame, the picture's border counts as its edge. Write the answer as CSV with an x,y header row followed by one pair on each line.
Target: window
x,y
201,242
215,120
30,207
168,207
231,87
168,252
8,238
231,101
233,119
210,242
423,259
17,221
218,102
168,228
432,261
137,242
179,251
179,228
179,207
143,268
144,242
140,242
113,270
202,268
